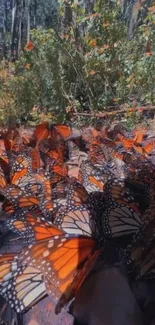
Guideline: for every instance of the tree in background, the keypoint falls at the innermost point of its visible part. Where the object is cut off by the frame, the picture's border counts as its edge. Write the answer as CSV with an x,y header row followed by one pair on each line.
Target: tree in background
x,y
18,17
86,62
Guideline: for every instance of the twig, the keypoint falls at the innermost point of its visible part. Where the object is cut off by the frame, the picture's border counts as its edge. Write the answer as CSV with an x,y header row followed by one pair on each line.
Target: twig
x,y
121,111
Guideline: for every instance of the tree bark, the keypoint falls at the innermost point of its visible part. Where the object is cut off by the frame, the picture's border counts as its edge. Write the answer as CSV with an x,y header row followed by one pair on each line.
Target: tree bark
x,y
28,21
20,17
3,23
16,30
13,30
67,18
131,12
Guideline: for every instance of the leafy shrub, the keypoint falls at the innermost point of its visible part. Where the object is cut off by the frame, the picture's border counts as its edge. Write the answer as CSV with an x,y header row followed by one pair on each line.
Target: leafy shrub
x,y
7,109
90,66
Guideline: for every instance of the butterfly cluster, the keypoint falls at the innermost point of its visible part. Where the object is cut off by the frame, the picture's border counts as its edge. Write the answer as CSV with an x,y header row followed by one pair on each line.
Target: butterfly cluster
x,y
67,195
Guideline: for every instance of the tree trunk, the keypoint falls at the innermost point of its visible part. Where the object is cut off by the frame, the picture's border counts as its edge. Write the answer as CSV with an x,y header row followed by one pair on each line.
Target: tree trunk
x,y
13,30
131,13
16,30
67,17
28,21
2,27
35,15
20,17
133,21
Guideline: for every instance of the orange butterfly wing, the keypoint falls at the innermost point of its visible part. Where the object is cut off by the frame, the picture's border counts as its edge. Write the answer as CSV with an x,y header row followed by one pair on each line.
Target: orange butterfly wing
x,y
138,148
63,130
41,132
76,221
117,155
21,286
36,163
18,198
139,135
149,147
53,154
60,170
8,207
64,261
32,228
21,166
98,184
46,203
128,143
3,181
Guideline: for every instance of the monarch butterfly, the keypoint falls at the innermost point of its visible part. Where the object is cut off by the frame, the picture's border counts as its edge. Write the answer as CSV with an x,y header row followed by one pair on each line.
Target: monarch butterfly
x,y
8,207
9,143
46,203
91,177
24,215
127,143
116,192
72,193
57,148
146,150
21,167
41,132
67,194
141,193
75,194
13,140
48,208
139,135
78,220
57,155
3,181
70,259
57,265
64,130
53,154
120,220
96,153
95,184
21,286
4,162
36,162
136,144
44,130
143,171
18,198
60,192
2,145
31,227
140,254
31,185
98,206
58,172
